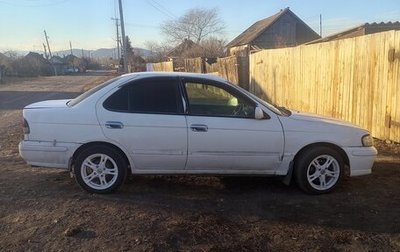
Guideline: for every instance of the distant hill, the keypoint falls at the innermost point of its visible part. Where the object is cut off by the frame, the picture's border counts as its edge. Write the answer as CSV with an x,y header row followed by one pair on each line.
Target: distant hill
x,y
101,53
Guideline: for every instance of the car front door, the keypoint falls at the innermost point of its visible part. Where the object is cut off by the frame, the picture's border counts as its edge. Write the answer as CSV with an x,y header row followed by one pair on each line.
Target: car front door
x,y
146,117
223,134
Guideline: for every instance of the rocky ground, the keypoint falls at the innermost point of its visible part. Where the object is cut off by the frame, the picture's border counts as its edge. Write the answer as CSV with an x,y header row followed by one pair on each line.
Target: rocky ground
x,y
45,210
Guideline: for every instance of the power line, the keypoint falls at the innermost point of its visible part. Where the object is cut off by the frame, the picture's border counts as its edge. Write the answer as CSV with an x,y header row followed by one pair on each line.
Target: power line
x,y
142,25
161,10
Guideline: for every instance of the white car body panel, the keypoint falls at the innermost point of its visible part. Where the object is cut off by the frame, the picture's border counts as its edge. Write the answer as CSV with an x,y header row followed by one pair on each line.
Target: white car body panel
x,y
156,142
235,144
160,144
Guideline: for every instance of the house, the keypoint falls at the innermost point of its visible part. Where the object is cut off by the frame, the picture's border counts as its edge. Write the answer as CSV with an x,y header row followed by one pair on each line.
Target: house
x,y
58,65
136,64
284,29
74,64
5,63
360,30
33,64
186,49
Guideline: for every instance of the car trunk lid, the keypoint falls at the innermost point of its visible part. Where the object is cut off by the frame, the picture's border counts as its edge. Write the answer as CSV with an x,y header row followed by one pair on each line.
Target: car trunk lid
x,y
48,104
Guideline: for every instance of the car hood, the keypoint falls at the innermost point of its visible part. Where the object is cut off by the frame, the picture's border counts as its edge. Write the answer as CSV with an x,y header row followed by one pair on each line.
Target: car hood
x,y
305,128
309,117
48,104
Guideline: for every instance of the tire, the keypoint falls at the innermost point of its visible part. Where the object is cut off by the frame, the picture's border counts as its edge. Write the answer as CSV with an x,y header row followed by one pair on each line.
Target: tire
x,y
100,169
319,170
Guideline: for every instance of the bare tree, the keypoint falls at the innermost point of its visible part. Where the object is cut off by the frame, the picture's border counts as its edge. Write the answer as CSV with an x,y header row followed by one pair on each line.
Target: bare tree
x,y
209,48
159,51
196,24
213,47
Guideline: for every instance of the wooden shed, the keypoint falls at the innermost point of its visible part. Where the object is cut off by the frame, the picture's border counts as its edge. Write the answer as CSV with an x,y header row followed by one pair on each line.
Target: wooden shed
x,y
284,29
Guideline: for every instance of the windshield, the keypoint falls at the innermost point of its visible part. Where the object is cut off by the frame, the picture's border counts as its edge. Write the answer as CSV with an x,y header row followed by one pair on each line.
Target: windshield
x,y
88,93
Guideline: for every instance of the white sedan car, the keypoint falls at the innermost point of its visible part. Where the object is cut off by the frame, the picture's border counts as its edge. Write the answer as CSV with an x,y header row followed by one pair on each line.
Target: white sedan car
x,y
180,123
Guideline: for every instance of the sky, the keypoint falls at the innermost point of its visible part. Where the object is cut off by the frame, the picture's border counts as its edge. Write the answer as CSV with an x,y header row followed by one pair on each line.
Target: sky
x,y
88,24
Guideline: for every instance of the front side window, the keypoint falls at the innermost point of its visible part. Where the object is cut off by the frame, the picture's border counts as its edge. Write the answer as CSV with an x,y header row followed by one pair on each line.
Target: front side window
x,y
210,100
153,96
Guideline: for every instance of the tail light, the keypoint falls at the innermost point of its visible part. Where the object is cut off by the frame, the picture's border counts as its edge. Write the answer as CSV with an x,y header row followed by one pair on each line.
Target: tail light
x,y
25,126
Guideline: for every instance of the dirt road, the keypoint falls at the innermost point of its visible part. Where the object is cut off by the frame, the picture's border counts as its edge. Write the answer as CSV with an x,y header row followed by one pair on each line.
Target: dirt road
x,y
43,209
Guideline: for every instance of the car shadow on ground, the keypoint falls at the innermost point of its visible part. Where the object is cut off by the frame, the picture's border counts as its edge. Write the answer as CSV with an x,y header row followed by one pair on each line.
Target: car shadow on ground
x,y
366,204
351,206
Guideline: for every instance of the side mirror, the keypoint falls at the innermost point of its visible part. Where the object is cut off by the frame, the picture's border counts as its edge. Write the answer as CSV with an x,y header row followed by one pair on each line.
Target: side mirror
x,y
259,113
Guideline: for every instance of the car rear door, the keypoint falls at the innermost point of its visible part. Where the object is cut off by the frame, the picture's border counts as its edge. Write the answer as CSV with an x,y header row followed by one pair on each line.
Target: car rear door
x,y
146,118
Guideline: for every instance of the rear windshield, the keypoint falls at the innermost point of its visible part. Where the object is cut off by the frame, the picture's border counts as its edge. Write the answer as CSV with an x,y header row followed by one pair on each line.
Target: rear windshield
x,y
88,93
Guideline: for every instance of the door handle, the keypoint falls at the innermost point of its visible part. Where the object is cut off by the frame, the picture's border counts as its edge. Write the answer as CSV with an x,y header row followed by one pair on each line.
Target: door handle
x,y
199,128
114,125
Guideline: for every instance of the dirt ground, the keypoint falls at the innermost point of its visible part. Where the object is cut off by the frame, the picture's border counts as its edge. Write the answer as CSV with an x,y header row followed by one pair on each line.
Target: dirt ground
x,y
45,210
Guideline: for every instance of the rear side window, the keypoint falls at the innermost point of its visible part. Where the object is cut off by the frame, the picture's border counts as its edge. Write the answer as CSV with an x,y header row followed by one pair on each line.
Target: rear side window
x,y
118,101
156,96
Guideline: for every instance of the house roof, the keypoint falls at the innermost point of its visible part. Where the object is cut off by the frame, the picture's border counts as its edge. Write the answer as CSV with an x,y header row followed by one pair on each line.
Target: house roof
x,y
57,60
186,45
36,56
70,58
260,26
371,28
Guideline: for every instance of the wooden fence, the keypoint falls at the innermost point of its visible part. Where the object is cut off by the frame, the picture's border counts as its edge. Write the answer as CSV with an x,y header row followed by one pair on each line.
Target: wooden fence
x,y
167,66
355,79
235,69
195,65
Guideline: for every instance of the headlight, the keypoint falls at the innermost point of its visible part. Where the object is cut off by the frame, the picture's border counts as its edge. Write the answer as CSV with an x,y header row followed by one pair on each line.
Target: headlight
x,y
367,141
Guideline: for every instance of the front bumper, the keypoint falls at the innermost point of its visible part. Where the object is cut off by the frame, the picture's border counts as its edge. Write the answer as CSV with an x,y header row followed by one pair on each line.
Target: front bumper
x,y
47,154
361,159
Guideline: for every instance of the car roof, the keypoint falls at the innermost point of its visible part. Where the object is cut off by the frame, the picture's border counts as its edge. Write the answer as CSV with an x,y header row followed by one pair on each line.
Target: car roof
x,y
175,74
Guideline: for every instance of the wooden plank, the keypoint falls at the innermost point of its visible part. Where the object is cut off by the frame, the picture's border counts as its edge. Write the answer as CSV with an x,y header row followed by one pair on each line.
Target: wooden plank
x,y
350,79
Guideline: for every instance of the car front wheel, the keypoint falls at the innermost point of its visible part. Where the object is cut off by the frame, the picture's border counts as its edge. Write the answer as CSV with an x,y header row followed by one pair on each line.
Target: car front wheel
x,y
100,169
319,170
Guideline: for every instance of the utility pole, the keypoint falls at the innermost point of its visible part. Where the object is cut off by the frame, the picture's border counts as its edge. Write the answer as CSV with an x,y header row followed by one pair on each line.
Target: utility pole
x,y
116,26
121,15
70,47
45,52
72,58
47,41
51,56
320,25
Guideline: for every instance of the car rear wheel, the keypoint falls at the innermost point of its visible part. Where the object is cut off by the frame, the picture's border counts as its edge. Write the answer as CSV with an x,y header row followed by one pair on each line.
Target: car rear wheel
x,y
319,170
100,169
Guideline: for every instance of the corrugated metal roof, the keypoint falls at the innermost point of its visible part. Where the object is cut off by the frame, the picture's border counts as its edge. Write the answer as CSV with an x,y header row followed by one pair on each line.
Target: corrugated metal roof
x,y
380,27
